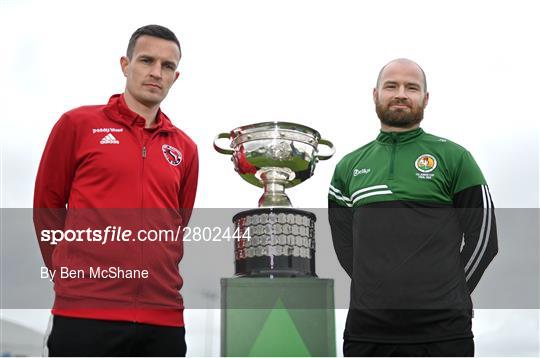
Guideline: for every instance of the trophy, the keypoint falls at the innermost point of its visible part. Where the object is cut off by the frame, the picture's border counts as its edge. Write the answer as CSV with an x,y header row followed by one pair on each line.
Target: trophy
x,y
275,156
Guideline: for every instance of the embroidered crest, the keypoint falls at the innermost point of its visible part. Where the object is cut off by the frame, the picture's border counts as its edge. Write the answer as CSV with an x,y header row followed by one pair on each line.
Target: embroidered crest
x,y
426,163
173,155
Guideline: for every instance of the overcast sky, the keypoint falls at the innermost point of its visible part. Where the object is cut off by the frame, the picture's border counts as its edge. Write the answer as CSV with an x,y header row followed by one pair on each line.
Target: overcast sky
x,y
311,62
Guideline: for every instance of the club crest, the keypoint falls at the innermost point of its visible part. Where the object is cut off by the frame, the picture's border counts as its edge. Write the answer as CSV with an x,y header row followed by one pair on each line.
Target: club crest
x,y
425,163
173,155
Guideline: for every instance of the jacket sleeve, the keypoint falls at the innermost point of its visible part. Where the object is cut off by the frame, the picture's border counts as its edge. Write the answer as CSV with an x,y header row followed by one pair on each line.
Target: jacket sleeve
x,y
476,216
340,216
53,184
475,212
188,189
341,227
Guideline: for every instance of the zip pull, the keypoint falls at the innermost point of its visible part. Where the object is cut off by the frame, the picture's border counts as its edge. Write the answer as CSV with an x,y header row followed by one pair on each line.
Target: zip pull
x,y
395,140
144,152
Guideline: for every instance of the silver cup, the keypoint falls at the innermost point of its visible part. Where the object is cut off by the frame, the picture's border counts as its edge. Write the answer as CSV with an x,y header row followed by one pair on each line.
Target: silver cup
x,y
274,156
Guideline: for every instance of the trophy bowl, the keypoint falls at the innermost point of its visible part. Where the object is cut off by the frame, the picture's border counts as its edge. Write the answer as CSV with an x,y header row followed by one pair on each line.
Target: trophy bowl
x,y
275,156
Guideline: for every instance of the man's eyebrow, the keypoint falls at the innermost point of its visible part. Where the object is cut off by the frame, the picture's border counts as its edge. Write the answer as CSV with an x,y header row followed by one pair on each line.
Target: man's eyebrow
x,y
145,56
150,57
168,62
392,82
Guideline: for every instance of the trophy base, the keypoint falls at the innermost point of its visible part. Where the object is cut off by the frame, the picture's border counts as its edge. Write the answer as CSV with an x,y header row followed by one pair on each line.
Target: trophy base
x,y
276,242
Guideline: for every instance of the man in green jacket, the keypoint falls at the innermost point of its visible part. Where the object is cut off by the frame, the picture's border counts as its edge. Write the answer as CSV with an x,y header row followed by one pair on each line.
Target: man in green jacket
x,y
413,226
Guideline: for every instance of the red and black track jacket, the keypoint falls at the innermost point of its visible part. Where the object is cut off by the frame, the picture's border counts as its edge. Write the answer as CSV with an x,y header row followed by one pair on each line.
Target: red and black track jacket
x,y
101,168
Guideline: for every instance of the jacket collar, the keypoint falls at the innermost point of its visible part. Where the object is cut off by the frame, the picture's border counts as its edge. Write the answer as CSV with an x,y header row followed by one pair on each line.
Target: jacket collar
x,y
118,111
399,137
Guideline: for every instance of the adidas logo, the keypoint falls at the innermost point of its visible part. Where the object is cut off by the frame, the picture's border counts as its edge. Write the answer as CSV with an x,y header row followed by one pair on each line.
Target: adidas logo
x,y
109,139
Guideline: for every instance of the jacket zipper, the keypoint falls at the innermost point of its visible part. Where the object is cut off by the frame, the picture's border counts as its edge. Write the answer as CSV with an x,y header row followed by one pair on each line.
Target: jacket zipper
x,y
139,284
395,141
145,143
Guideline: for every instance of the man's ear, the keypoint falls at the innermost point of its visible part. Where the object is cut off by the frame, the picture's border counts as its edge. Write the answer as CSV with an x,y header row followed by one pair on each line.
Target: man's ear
x,y
426,99
375,94
124,63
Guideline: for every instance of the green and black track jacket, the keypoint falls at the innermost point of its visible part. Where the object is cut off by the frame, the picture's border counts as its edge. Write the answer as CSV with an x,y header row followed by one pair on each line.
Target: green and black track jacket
x,y
413,226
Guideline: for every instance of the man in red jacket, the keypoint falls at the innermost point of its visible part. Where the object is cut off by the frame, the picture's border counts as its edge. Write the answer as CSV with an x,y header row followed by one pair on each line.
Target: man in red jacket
x,y
108,175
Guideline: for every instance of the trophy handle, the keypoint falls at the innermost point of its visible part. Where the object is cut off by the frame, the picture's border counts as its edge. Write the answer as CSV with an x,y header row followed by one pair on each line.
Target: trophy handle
x,y
220,149
329,145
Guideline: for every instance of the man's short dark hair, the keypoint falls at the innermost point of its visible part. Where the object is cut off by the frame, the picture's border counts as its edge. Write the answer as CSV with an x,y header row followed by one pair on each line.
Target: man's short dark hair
x,y
151,30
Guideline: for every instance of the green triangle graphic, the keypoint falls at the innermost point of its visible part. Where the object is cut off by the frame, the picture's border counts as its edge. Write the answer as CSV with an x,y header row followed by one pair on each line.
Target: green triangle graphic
x,y
279,336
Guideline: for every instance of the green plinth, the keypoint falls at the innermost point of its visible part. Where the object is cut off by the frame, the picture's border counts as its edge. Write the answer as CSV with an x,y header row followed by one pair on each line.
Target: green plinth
x,y
277,317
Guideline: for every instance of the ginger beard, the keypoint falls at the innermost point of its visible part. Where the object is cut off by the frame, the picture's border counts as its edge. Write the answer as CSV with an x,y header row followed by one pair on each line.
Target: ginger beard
x,y
400,117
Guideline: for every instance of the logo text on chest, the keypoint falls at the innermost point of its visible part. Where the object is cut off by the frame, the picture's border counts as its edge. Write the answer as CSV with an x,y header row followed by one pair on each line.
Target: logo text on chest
x,y
107,130
424,176
357,172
